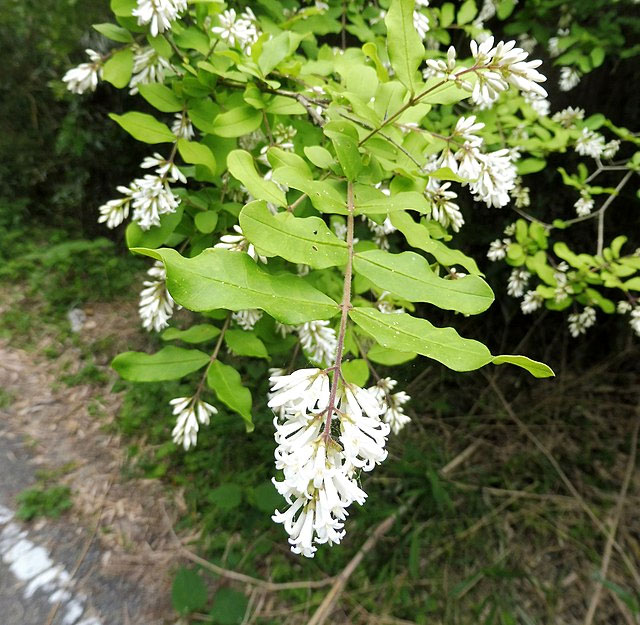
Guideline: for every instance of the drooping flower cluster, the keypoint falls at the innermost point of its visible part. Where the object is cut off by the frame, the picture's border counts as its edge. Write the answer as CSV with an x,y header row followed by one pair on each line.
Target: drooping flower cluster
x,y
420,20
580,322
319,467
85,76
518,281
569,116
531,301
498,249
159,14
182,127
569,78
590,143
237,30
148,67
318,341
391,405
156,304
247,319
191,413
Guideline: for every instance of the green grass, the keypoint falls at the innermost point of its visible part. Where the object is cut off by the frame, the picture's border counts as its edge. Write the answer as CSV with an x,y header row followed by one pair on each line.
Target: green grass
x,y
40,501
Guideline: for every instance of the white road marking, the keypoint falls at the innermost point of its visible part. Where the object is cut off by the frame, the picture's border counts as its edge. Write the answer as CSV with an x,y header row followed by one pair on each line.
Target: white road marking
x,y
32,563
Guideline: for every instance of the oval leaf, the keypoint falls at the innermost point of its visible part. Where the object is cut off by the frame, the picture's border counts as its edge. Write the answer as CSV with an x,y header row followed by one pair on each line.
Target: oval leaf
x,y
160,97
403,43
225,381
239,121
170,363
535,368
144,127
242,168
199,333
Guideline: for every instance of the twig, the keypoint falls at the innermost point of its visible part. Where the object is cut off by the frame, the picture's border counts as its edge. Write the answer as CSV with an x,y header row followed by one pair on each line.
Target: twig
x,y
460,458
604,207
325,608
563,476
606,558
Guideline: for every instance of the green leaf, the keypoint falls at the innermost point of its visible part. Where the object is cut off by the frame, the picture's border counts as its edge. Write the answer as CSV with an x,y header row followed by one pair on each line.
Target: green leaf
x,y
199,333
530,165
277,49
266,497
319,156
535,368
117,70
123,8
306,240
197,154
371,51
226,496
188,592
417,235
219,278
242,168
170,363
446,173
240,120
284,105
229,607
389,357
226,382
193,39
403,332
114,32
371,201
144,127
447,14
345,142
206,222
154,237
633,284
243,343
323,195
467,12
404,45
160,97
356,372
409,276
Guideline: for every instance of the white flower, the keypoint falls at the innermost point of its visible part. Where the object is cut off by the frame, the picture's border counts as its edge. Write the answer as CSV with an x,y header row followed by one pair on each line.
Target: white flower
x,y
496,178
443,209
569,78
386,306
240,31
569,116
239,243
148,67
634,321
85,76
440,67
590,143
510,230
156,304
553,43
152,197
580,322
623,307
182,127
520,194
159,14
539,104
584,205
527,42
466,127
191,413
283,136
531,302
518,280
114,212
164,168
303,392
391,405
318,341
381,231
247,319
498,249
610,149
421,23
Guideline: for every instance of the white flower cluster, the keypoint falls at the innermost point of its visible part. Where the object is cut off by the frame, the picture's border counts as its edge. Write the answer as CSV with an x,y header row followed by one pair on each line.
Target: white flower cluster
x,y
531,301
320,467
443,208
239,243
156,304
237,30
191,414
580,322
247,319
420,20
318,341
498,249
182,127
150,196
518,281
584,205
520,194
569,116
380,232
159,14
569,78
590,143
148,67
85,76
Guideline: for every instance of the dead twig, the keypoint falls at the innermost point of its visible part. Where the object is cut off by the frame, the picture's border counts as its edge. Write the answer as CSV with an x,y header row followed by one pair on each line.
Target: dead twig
x,y
606,558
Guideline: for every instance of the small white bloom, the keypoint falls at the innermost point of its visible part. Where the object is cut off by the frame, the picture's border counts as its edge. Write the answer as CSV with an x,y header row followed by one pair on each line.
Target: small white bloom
x,y
152,197
520,194
239,243
531,302
148,67
510,230
318,341
391,405
114,212
518,281
191,413
247,319
590,143
580,322
569,116
623,307
443,208
553,45
421,23
496,178
584,205
164,168
611,149
569,78
237,30
540,105
156,304
159,14
182,127
85,76
634,320
498,249
303,392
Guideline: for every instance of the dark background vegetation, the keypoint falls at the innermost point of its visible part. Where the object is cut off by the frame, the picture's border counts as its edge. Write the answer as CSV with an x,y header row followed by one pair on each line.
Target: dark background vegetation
x,y
499,541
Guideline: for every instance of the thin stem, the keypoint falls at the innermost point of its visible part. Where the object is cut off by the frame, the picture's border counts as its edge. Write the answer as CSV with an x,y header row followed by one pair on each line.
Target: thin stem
x,y
345,306
214,355
604,208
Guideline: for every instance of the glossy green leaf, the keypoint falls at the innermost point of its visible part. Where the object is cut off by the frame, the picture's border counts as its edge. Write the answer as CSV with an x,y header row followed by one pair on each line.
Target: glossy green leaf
x,y
240,120
226,382
389,357
122,8
243,343
535,368
160,97
372,201
306,240
403,43
319,156
418,236
197,154
199,333
283,105
114,32
193,39
144,127
170,363
242,167
405,333
467,12
409,276
219,278
345,142
135,236
277,49
117,70
206,221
